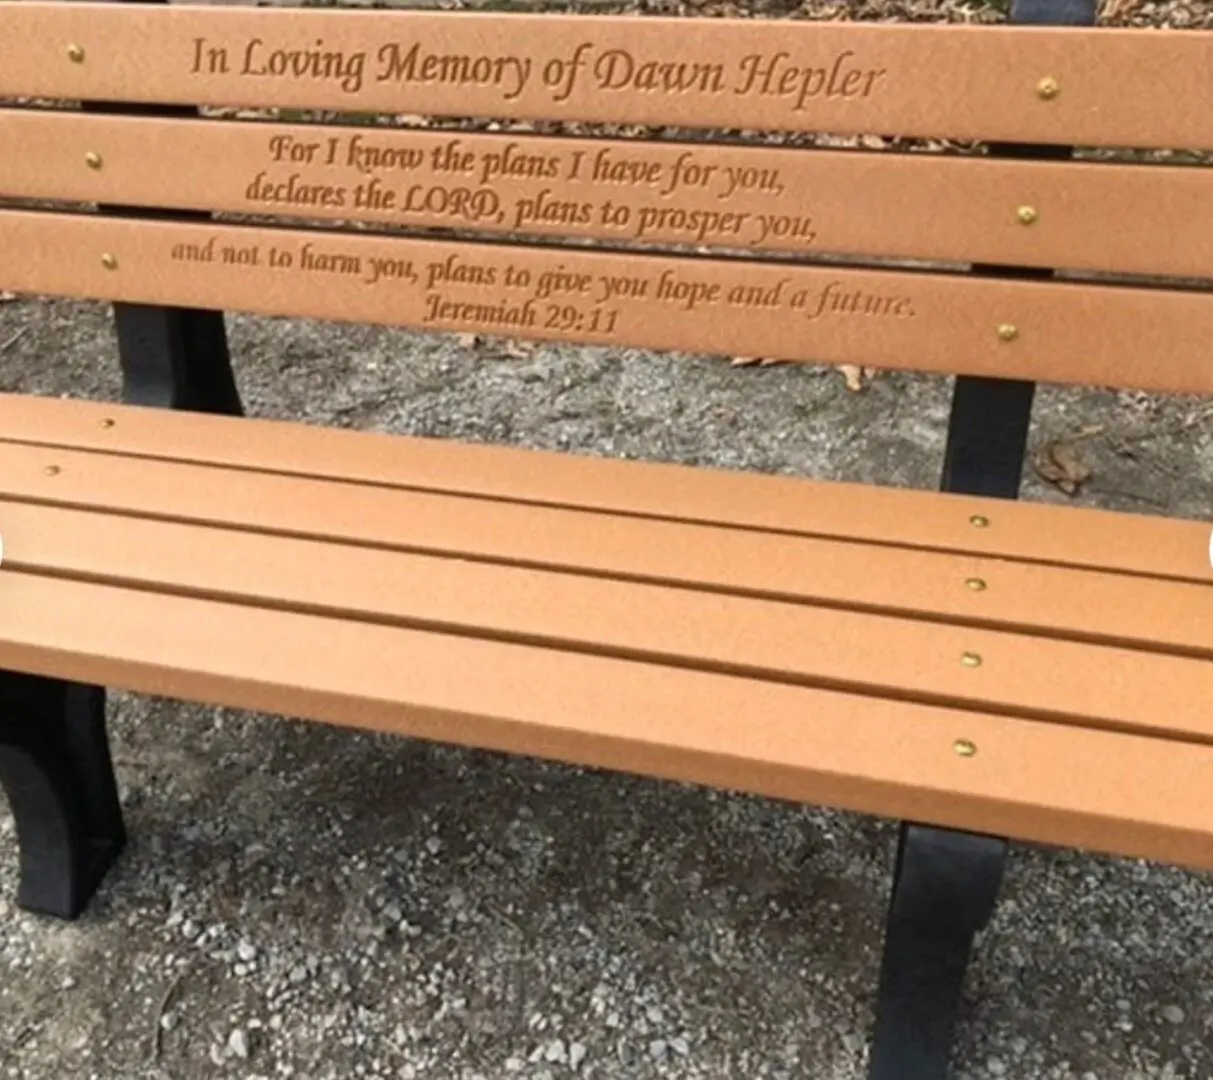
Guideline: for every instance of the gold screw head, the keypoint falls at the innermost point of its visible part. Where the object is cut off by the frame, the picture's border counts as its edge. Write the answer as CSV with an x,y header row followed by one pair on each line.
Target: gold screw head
x,y
92,159
979,521
1047,89
971,659
108,422
964,748
1008,332
110,262
52,470
1027,215
76,53
976,584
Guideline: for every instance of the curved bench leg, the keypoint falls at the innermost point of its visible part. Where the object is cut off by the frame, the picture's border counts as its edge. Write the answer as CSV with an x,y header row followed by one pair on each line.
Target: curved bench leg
x,y
56,770
944,890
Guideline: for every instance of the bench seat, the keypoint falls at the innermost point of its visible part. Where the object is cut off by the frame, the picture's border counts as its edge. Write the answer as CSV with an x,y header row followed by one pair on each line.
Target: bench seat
x,y
945,659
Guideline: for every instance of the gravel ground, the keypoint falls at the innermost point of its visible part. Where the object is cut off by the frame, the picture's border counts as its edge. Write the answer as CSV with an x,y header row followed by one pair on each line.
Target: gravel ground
x,y
305,902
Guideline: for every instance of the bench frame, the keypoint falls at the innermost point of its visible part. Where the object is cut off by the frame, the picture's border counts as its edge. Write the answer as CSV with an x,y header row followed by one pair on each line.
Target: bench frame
x,y
57,770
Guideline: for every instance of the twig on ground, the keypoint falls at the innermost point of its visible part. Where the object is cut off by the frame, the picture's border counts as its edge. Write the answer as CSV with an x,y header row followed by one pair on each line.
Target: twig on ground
x,y
158,1020
13,340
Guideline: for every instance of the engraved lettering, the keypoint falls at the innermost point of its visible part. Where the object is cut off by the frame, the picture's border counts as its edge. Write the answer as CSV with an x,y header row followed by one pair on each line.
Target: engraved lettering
x,y
617,69
209,60
836,299
331,263
346,69
502,316
509,74
777,76
368,158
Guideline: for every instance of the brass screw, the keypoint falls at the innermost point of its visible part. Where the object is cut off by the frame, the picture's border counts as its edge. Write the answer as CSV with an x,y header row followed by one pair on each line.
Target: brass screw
x,y
976,584
52,470
1027,215
92,159
964,748
979,521
76,53
1008,332
970,659
1047,89
110,262
108,422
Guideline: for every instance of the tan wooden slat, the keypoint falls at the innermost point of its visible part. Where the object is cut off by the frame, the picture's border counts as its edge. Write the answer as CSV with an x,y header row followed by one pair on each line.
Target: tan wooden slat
x,y
808,201
1086,605
1065,536
1114,609
1067,333
1118,87
1124,794
885,656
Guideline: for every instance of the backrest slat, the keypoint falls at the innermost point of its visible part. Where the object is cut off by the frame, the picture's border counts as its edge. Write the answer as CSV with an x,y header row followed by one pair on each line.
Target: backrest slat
x,y
1140,88
1148,338
923,206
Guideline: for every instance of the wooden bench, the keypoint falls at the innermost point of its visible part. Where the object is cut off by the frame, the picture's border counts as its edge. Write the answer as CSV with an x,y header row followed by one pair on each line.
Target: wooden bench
x,y
979,668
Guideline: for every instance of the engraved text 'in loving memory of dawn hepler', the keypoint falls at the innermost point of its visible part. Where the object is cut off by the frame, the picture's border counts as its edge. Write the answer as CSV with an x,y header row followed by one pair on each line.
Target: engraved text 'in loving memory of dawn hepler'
x,y
779,76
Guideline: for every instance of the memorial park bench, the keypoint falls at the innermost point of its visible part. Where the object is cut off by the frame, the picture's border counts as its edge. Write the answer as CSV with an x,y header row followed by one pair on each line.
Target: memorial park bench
x,y
981,669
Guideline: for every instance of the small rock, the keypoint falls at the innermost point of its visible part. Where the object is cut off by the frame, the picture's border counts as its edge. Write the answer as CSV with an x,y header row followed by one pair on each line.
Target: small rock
x,y
298,974
68,983
237,1044
577,1052
168,1021
996,1067
657,1049
392,912
680,1046
514,1064
190,929
247,951
275,1022
654,1013
1173,1014
433,845
555,1051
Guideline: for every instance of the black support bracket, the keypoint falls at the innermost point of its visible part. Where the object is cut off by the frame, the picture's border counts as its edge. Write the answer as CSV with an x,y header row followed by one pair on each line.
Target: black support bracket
x,y
946,882
55,768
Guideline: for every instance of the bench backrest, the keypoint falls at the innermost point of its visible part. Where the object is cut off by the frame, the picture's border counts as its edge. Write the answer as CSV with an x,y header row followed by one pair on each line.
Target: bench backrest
x,y
848,250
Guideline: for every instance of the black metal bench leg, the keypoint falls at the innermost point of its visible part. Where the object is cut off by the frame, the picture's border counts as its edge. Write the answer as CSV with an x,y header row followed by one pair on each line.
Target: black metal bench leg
x,y
944,890
56,769
176,358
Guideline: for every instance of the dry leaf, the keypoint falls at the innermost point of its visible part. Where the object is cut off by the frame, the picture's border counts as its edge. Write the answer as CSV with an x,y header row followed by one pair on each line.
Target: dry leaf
x,y
1058,463
517,349
857,377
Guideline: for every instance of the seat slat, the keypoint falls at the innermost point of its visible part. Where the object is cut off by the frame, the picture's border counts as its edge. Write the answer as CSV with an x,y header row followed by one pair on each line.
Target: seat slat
x,y
1028,780
947,208
1063,602
1065,536
882,655
966,590
725,73
1069,333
